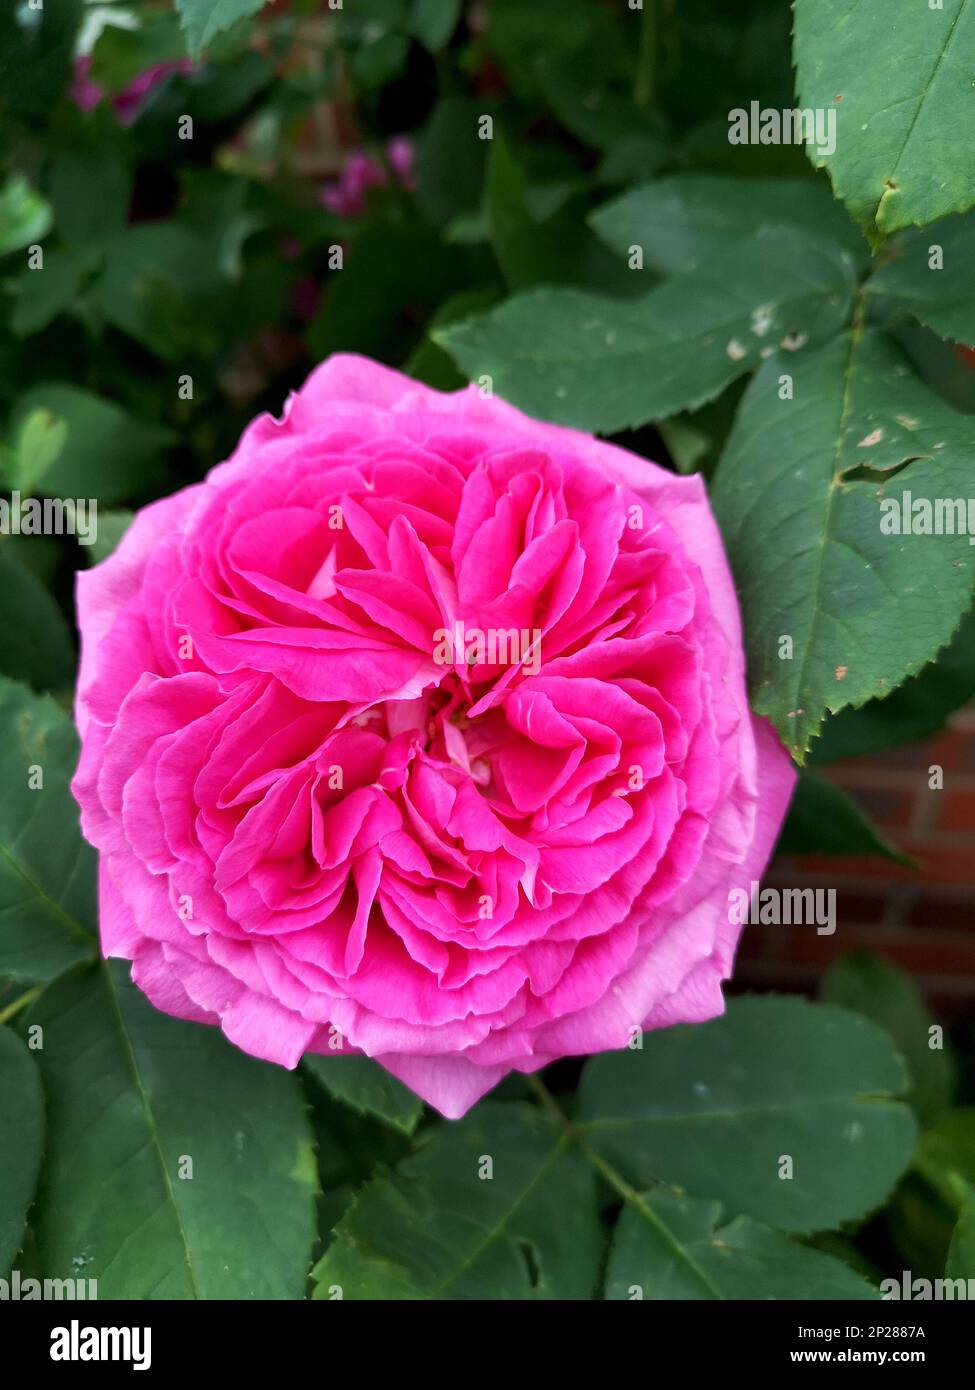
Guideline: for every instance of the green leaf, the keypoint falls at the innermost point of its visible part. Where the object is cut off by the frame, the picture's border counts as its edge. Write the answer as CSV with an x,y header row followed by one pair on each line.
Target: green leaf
x,y
157,285
39,442
686,444
450,160
798,496
428,362
108,455
941,295
445,1225
667,1246
715,54
871,986
434,21
47,872
632,159
918,707
367,1087
37,44
523,37
946,1156
597,110
120,54
945,366
21,1137
214,93
706,144
685,219
608,364
920,1222
527,252
112,526
217,209
379,61
395,276
372,36
961,1251
824,819
351,1145
203,20
900,82
718,1107
134,1094
25,217
42,294
42,556
37,643
91,184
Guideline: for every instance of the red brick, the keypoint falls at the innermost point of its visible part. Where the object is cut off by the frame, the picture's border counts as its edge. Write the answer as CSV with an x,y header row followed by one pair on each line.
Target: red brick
x,y
920,918
950,1000
860,907
958,813
944,912
753,945
873,869
916,756
946,859
855,902
946,749
941,862
891,810
954,751
963,720
873,776
935,953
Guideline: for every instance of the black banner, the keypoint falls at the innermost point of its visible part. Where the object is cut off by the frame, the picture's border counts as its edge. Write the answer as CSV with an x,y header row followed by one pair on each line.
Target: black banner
x,y
182,1339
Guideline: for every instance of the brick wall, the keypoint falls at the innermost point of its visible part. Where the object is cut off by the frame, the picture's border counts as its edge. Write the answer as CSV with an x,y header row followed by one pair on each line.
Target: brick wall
x,y
923,919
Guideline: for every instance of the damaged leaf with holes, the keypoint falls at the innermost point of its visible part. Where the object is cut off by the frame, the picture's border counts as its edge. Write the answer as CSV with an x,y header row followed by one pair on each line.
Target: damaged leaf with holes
x,y
799,496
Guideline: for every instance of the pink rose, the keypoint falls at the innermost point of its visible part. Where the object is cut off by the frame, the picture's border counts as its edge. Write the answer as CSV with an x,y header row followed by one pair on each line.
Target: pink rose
x,y
130,100
86,94
401,155
346,196
419,729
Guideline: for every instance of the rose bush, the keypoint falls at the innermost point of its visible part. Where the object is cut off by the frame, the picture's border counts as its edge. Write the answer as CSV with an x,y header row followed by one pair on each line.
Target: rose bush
x,y
318,835
332,820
